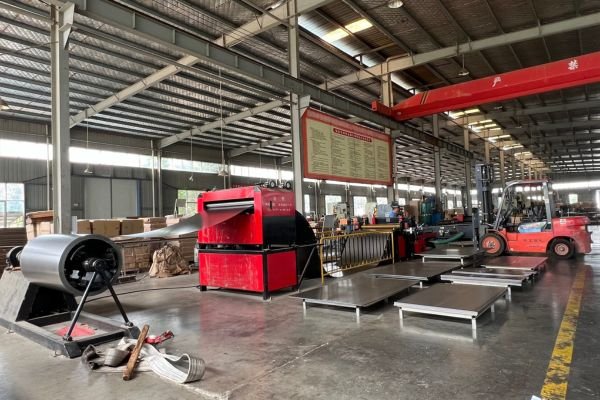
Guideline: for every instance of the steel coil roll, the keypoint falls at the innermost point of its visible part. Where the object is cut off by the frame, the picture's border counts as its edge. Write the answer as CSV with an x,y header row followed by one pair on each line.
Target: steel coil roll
x,y
59,262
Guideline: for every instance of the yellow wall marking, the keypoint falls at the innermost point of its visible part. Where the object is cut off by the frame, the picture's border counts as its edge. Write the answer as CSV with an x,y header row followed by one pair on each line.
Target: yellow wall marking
x,y
557,376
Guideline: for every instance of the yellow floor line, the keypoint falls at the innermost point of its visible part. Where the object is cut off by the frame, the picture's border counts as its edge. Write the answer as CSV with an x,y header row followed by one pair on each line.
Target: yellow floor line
x,y
557,376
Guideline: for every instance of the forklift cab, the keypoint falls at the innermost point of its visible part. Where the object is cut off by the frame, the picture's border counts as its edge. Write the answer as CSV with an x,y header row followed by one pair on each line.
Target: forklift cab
x,y
526,222
526,207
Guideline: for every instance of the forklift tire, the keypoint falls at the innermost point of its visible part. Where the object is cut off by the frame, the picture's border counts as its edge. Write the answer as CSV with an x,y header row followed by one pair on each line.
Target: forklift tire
x,y
493,244
562,249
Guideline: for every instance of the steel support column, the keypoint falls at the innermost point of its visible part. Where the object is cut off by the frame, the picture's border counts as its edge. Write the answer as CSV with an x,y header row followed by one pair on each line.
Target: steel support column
x,y
513,168
61,22
502,172
294,63
387,98
159,184
468,169
437,165
153,178
522,171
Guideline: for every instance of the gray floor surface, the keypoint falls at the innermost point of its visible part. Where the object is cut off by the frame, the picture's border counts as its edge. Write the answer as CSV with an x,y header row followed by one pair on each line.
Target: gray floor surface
x,y
271,350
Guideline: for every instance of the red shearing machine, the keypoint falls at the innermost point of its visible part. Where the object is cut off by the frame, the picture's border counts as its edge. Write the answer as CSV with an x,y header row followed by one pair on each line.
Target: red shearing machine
x,y
248,239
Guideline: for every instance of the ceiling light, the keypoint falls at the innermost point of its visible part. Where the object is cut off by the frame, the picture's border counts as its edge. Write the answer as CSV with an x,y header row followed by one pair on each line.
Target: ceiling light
x,y
395,3
223,171
512,146
485,121
359,25
335,35
472,111
489,126
3,105
463,71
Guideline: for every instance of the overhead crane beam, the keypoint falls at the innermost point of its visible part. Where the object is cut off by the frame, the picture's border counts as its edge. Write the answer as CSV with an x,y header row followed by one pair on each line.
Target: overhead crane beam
x,y
566,73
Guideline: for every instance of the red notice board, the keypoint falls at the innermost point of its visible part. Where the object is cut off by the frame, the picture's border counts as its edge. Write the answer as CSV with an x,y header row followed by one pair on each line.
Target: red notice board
x,y
336,149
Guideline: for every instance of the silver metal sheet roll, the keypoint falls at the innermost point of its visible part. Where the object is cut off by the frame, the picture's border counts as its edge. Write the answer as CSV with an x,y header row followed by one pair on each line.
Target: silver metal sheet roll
x,y
56,261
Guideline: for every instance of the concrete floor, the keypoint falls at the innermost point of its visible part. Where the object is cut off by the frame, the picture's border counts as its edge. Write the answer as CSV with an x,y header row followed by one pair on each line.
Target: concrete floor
x,y
258,350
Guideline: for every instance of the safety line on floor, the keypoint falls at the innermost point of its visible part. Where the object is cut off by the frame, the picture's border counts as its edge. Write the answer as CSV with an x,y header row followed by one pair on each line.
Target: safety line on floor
x,y
557,376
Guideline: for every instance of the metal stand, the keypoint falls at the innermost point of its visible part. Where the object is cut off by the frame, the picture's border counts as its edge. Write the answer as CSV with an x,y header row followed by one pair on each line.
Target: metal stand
x,y
106,279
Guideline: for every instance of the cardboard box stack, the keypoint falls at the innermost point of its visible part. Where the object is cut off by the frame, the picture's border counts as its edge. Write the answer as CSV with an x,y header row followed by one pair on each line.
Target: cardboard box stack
x,y
153,223
106,227
84,227
186,243
136,257
131,226
39,223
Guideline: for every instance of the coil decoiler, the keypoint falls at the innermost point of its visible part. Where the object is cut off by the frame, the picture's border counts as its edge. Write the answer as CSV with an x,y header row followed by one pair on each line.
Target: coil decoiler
x,y
40,298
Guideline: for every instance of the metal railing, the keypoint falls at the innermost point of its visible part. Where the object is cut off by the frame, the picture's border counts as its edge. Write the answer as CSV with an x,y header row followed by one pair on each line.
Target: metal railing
x,y
353,250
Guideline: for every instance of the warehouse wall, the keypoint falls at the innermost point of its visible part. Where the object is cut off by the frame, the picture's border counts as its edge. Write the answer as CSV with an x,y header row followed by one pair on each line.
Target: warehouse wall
x,y
33,172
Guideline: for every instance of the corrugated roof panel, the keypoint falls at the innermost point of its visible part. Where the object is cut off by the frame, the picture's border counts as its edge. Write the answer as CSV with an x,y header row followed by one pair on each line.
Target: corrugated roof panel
x,y
550,10
513,15
431,17
473,17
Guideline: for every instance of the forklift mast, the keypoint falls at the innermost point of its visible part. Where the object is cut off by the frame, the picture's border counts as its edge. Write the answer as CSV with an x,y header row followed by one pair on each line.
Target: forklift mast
x,y
484,178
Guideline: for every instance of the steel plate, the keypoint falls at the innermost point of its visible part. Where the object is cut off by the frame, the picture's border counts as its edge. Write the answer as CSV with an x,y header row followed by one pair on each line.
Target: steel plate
x,y
359,290
497,272
484,280
454,253
414,270
515,262
453,299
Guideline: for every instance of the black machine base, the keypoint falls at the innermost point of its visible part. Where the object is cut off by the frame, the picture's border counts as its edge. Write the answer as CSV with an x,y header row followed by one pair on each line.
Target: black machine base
x,y
34,330
36,312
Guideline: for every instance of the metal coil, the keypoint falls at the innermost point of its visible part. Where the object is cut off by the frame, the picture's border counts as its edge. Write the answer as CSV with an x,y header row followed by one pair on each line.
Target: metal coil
x,y
59,262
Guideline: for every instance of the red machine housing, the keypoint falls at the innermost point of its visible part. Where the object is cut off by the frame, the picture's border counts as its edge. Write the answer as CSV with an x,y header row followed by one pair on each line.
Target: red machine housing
x,y
246,240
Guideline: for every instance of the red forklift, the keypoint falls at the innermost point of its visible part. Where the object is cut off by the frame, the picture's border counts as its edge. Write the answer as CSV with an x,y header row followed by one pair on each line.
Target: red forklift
x,y
525,220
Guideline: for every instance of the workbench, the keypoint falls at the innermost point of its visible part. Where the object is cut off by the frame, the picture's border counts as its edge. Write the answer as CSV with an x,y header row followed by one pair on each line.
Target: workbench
x,y
445,253
414,270
357,291
452,300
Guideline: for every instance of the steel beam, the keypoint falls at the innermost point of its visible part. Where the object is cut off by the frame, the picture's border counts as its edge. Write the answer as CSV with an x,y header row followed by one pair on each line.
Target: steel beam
x,y
61,23
123,18
218,123
519,112
243,150
402,63
252,28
